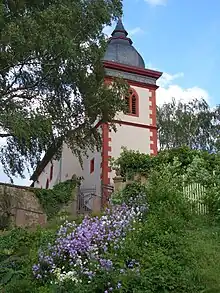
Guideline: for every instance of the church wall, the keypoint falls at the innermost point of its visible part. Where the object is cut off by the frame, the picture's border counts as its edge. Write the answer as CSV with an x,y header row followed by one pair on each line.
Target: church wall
x,y
133,137
45,175
92,171
63,169
69,164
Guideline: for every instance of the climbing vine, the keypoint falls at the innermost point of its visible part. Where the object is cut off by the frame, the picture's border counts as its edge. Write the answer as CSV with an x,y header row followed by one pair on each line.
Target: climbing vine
x,y
52,200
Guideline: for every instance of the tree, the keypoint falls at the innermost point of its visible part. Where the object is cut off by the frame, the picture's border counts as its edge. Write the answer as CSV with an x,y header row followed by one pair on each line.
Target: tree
x,y
193,124
51,77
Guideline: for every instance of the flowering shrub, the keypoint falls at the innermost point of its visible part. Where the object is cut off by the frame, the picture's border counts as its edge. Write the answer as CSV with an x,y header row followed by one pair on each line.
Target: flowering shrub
x,y
174,250
80,252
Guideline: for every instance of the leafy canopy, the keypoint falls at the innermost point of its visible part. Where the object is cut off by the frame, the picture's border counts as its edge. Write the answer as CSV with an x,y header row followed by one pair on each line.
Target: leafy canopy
x,y
193,124
51,77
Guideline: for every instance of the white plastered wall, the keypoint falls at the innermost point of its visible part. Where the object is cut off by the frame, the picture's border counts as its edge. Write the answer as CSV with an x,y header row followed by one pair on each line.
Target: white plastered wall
x,y
92,180
69,164
45,174
63,169
133,138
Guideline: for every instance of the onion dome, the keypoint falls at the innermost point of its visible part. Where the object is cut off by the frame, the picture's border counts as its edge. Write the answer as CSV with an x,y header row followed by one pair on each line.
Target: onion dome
x,y
120,49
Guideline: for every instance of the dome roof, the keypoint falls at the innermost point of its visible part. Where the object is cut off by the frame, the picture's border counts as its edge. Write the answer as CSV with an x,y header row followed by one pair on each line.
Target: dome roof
x,y
120,49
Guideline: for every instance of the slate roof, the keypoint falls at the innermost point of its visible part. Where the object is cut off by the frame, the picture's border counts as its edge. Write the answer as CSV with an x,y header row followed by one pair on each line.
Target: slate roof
x,y
120,49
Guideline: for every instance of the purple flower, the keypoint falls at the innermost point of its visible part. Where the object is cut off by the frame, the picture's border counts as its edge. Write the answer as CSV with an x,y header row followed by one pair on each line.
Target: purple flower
x,y
83,248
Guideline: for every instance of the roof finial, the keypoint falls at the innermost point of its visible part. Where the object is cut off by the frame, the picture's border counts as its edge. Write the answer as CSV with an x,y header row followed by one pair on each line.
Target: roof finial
x,y
120,28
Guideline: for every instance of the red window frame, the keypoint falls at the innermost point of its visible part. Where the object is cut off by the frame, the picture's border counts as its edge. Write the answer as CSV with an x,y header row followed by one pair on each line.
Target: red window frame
x,y
92,166
51,172
47,184
132,102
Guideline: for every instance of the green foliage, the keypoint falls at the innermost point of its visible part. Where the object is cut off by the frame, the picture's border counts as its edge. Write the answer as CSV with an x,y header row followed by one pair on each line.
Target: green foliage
x,y
131,163
192,166
18,251
174,248
207,174
177,249
193,124
52,200
51,51
212,200
131,191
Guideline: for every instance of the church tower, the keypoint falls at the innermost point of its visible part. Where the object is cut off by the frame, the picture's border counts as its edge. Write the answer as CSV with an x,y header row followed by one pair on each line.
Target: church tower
x,y
136,129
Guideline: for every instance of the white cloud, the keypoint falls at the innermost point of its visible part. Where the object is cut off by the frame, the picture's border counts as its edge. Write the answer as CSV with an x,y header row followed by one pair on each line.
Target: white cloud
x,y
167,78
156,2
175,91
135,31
169,90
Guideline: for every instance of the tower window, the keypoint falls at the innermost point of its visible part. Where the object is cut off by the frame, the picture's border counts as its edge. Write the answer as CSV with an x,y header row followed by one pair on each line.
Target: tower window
x,y
132,103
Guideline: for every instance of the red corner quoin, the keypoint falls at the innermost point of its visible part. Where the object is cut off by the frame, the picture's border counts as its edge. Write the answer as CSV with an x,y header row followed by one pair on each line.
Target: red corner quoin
x,y
106,148
153,117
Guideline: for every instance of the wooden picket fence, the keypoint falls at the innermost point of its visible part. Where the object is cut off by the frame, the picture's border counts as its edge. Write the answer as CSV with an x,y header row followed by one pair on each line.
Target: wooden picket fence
x,y
195,193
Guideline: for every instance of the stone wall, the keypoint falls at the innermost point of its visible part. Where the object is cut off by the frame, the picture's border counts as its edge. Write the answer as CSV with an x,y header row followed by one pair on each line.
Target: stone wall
x,y
120,183
20,206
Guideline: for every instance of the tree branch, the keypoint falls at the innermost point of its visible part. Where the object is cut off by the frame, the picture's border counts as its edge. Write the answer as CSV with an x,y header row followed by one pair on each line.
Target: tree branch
x,y
2,135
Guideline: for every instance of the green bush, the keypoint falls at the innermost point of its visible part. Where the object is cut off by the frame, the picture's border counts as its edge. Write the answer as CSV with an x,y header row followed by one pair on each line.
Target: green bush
x,y
178,250
173,249
132,162
18,251
130,192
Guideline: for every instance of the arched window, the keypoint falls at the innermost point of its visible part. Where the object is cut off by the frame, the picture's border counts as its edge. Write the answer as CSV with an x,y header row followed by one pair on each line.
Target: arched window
x,y
132,103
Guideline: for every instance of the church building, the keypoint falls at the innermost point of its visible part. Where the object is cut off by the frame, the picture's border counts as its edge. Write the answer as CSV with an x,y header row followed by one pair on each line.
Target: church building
x,y
136,129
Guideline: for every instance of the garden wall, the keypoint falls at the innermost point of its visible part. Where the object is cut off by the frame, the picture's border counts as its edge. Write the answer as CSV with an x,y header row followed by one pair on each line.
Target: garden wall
x,y
120,183
20,207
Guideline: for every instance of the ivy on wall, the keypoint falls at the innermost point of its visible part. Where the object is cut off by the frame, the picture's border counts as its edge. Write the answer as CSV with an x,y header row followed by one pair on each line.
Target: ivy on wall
x,y
52,200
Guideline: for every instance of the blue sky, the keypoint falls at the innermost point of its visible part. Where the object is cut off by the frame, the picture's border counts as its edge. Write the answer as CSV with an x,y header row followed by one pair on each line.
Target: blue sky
x,y
180,38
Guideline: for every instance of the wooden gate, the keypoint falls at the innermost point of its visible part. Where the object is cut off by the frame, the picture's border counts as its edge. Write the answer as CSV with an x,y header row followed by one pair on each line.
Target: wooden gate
x,y
195,193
